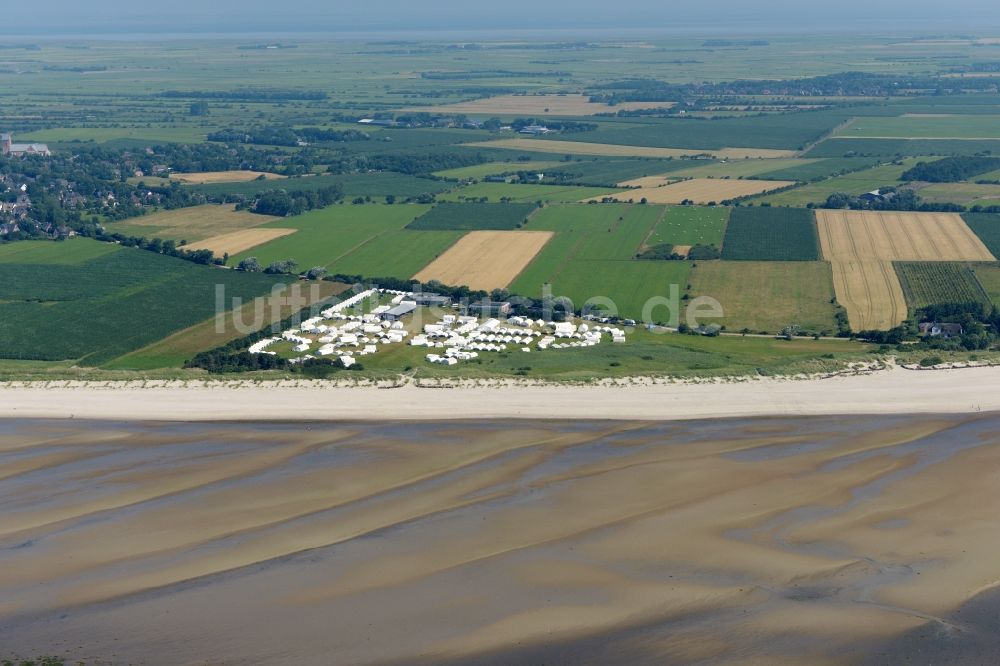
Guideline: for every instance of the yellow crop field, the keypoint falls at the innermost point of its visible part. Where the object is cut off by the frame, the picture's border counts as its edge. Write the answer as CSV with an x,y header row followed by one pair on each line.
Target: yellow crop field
x,y
614,150
891,236
207,177
863,244
238,241
486,259
537,105
870,292
702,190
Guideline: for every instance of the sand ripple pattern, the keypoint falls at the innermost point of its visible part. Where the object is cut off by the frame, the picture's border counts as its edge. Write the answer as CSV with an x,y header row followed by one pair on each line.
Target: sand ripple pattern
x,y
513,542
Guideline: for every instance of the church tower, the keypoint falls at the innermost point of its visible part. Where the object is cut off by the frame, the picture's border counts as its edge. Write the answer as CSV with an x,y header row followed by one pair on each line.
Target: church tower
x,y
6,139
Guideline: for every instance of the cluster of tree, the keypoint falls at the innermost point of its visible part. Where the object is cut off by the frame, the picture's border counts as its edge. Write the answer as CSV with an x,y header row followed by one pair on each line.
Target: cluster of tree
x,y
952,169
489,74
980,326
665,252
845,84
723,43
279,267
414,164
199,109
283,203
890,199
269,136
170,248
248,94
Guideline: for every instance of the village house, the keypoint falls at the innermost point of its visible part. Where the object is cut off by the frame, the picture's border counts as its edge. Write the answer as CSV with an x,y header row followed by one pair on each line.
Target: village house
x,y
937,330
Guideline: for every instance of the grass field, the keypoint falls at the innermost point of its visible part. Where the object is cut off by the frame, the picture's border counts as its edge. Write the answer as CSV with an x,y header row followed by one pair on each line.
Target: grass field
x,y
535,105
702,190
762,168
70,252
174,350
54,310
933,283
518,193
808,170
967,194
473,216
610,171
355,185
591,255
191,224
855,183
617,150
988,276
987,228
891,148
102,134
485,259
396,253
478,171
329,236
690,225
767,296
924,127
771,234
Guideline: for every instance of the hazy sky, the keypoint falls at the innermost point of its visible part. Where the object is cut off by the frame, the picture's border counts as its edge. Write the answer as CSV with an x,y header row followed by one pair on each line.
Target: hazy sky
x,y
108,16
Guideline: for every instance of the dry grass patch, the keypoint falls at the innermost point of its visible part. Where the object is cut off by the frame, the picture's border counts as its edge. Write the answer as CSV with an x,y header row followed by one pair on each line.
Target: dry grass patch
x,y
192,224
208,177
486,259
703,190
537,105
863,244
613,150
239,241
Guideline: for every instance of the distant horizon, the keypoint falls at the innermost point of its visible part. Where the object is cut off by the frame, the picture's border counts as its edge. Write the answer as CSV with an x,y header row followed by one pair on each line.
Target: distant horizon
x,y
113,18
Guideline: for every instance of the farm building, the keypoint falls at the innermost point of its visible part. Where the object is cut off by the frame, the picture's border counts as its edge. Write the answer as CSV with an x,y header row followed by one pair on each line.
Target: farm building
x,y
877,196
400,311
433,300
535,130
936,330
11,149
490,308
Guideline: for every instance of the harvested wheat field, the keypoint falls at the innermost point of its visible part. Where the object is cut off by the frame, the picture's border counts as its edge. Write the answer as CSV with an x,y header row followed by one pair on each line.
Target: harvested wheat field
x,y
863,244
486,259
614,150
890,236
239,241
871,294
537,105
207,177
703,190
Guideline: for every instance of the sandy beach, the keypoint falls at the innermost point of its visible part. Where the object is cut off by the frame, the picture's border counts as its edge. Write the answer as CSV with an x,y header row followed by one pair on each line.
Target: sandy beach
x,y
747,541
892,391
